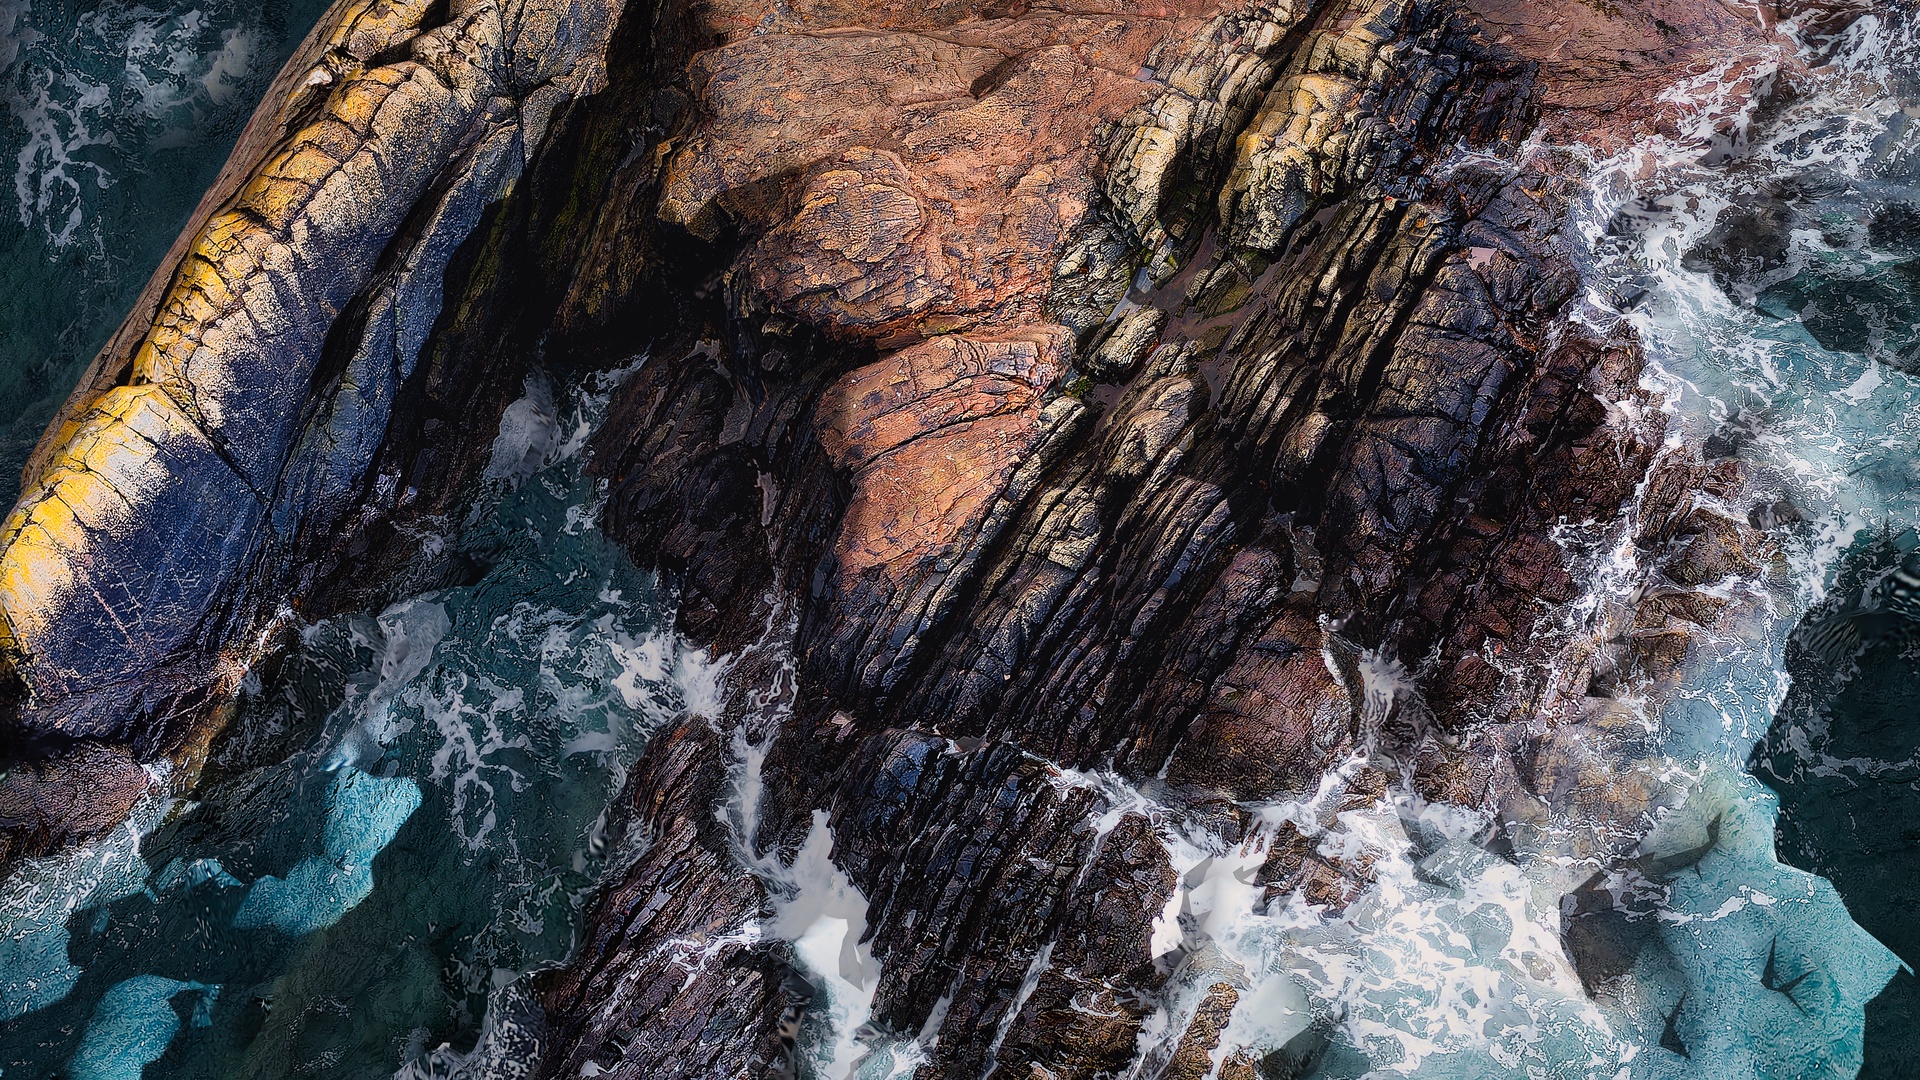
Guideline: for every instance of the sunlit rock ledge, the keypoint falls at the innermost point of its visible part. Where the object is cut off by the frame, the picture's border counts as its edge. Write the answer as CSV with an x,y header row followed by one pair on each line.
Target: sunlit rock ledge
x,y
1132,412
157,536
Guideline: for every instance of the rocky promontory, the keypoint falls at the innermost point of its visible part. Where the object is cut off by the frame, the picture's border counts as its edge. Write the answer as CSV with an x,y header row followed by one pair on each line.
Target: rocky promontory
x,y
1052,402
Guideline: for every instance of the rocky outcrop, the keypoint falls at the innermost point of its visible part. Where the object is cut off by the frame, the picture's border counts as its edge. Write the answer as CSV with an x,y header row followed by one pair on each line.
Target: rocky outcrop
x,y
1130,409
188,492
671,910
82,793
1314,373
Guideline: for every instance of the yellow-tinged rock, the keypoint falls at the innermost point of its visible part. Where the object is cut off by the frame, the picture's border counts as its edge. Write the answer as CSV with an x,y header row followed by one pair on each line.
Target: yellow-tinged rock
x,y
209,282
100,486
381,25
332,137
308,162
195,307
277,199
357,103
221,234
129,570
36,577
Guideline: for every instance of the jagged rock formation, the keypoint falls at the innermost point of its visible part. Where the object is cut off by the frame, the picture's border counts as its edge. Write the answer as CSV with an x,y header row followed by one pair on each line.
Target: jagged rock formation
x,y
191,486
1069,376
1322,372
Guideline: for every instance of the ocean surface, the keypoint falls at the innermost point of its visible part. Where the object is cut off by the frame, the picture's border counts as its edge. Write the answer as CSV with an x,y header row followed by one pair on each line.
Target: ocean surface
x,y
402,822
114,119
400,828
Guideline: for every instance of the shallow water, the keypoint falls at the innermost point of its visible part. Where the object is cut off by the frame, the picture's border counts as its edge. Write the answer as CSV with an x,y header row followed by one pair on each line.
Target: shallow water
x,y
390,837
114,119
1787,308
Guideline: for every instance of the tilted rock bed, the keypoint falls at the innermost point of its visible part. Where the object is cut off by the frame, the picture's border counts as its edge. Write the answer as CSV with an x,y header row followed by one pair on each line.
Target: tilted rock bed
x,y
1091,388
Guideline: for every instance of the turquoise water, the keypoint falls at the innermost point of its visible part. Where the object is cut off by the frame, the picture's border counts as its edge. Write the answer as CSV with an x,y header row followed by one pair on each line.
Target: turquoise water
x,y
1781,279
114,119
401,825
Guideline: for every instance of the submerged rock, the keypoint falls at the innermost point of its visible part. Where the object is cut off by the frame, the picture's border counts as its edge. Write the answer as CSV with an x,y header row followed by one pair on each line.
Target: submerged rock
x,y
1840,756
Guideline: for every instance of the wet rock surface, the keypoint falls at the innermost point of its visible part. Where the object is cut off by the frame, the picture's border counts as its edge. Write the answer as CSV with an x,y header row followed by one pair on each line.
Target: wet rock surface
x,y
684,892
1312,371
54,801
208,465
1107,396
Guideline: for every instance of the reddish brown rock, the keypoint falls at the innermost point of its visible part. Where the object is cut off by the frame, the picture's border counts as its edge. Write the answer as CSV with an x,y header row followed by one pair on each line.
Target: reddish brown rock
x,y
76,796
930,436
1353,402
1606,68
1096,391
1193,1058
940,172
1271,718
1817,20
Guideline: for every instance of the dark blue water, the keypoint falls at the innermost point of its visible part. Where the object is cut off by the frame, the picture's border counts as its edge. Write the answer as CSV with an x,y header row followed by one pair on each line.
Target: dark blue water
x,y
400,827
114,118
1844,755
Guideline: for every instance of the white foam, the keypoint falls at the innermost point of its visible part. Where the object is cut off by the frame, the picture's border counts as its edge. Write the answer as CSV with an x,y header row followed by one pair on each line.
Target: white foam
x,y
815,906
41,895
529,434
1448,964
119,68
52,173
825,917
237,61
1831,420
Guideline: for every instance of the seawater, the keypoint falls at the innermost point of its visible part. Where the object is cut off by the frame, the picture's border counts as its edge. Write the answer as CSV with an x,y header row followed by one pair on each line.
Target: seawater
x,y
399,828
114,119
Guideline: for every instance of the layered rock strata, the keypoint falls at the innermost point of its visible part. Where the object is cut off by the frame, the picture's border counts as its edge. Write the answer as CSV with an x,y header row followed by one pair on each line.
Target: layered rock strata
x,y
1108,398
193,485
1318,412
